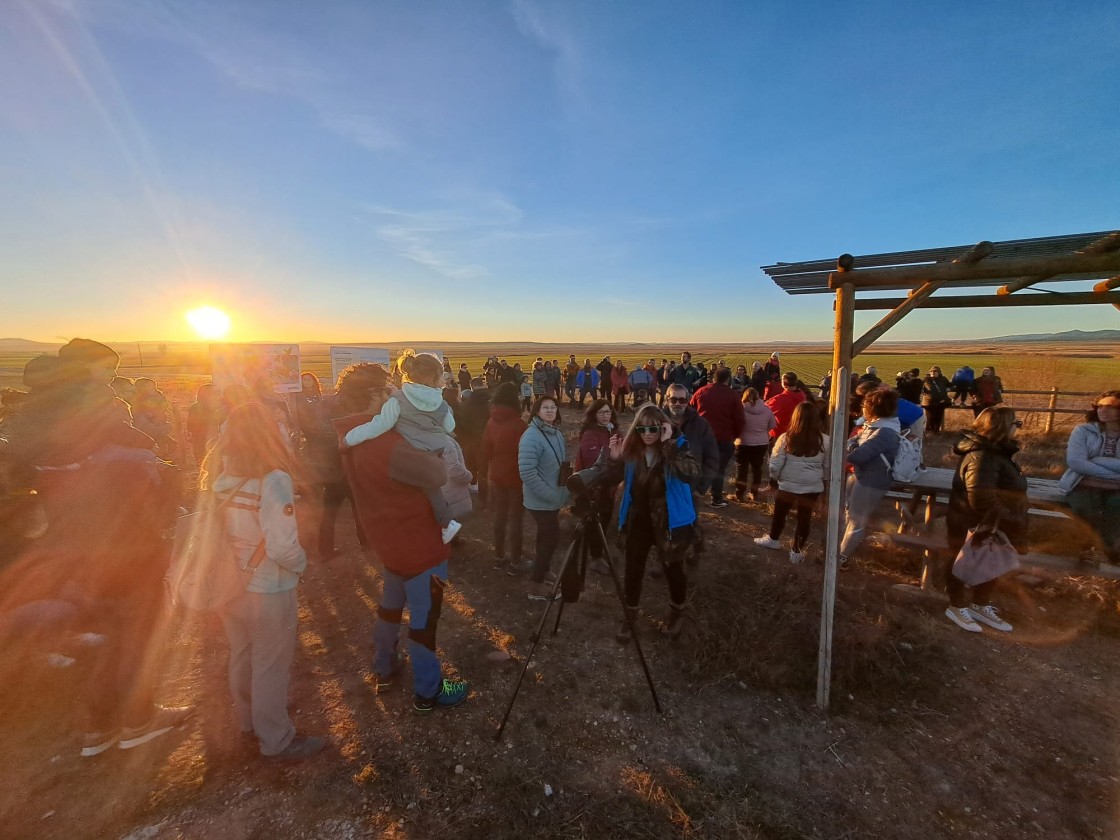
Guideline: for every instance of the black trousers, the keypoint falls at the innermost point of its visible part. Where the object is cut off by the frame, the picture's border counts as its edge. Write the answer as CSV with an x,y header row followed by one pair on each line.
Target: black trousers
x,y
509,515
783,504
749,461
548,539
639,540
935,418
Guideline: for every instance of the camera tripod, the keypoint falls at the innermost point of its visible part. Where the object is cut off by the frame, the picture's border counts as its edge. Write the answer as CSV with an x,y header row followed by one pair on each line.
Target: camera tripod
x,y
569,582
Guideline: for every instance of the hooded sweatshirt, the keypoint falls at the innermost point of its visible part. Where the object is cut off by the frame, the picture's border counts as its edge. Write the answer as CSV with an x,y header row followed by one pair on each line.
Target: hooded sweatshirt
x,y
879,437
758,421
418,412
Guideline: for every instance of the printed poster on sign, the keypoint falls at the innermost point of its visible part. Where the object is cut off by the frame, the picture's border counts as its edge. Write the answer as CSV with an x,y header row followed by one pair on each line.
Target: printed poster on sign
x,y
256,365
343,357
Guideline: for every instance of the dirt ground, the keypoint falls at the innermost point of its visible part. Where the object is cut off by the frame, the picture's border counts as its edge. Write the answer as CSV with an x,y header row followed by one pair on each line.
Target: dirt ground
x,y
932,732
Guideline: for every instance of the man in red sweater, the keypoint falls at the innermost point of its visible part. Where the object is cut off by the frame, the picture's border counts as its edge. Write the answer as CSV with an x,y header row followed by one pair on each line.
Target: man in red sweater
x,y
783,404
720,406
388,479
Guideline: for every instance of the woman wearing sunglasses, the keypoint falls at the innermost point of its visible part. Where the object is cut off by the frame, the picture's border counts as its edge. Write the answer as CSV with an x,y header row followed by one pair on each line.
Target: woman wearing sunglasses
x,y
1092,479
657,510
987,487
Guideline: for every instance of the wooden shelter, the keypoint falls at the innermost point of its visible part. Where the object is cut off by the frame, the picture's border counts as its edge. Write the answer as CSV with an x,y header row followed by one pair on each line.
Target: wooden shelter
x,y
1016,267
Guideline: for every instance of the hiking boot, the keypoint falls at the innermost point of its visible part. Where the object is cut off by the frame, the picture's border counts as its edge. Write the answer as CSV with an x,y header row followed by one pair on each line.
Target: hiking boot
x,y
450,531
796,556
962,617
451,693
767,542
161,722
623,635
987,614
718,503
675,623
300,747
95,743
384,681
741,496
543,591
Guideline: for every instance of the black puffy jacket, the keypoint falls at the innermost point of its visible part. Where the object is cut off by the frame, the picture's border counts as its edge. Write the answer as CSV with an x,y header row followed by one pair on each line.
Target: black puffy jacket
x,y
987,483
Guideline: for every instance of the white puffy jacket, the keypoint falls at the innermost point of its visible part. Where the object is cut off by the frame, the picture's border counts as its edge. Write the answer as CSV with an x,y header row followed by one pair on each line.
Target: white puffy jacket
x,y
799,473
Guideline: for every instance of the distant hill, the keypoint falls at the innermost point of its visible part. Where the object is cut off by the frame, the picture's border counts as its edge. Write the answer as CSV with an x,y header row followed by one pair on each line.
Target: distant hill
x,y
1069,335
22,345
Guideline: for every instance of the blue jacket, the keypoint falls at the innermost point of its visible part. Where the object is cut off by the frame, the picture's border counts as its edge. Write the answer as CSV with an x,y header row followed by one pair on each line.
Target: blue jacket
x,y
581,379
678,495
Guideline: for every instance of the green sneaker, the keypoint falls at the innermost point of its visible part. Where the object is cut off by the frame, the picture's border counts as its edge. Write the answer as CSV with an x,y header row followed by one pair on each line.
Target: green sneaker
x,y
451,693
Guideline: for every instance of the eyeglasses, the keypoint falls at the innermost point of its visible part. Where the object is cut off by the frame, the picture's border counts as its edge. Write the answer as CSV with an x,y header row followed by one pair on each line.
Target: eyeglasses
x,y
677,400
647,430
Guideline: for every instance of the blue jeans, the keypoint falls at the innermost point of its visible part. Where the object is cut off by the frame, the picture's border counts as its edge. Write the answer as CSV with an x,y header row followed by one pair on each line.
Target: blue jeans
x,y
862,501
424,595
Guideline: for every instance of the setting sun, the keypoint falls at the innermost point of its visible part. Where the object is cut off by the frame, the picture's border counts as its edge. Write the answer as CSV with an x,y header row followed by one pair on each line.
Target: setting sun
x,y
209,322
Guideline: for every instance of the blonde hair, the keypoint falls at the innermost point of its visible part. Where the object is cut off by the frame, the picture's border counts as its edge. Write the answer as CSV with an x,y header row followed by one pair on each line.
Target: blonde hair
x,y
423,369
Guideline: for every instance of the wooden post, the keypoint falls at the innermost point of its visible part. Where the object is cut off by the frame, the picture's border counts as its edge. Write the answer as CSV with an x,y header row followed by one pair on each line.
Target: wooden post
x,y
839,397
1053,405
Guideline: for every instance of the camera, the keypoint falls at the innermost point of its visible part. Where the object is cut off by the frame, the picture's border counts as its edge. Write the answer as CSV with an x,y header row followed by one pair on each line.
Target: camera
x,y
581,483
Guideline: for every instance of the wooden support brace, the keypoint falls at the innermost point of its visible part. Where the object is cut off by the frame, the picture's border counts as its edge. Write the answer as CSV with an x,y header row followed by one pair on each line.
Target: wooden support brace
x,y
973,255
1022,283
1107,285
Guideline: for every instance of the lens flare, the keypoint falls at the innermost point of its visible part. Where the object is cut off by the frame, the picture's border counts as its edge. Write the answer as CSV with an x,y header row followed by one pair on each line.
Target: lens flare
x,y
209,322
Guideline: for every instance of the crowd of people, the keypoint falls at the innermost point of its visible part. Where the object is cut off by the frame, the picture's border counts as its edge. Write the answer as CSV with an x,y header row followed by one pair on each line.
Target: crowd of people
x,y
416,451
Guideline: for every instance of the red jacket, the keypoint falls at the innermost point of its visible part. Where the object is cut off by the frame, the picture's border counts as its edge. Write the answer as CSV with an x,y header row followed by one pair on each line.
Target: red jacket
x,y
723,410
619,378
783,405
591,443
499,446
396,516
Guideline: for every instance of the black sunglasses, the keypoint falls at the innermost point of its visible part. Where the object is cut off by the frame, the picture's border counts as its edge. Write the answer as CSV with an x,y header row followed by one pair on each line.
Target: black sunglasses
x,y
647,430
678,400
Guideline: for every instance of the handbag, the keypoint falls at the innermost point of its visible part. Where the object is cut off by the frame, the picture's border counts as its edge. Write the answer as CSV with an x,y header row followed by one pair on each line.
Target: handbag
x,y
204,574
987,554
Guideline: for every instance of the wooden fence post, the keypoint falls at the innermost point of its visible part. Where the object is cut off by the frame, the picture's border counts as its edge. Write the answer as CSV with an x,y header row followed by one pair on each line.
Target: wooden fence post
x,y
1050,415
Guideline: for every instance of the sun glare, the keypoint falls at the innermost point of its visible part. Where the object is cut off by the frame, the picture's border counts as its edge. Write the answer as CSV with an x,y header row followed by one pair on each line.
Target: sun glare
x,y
209,322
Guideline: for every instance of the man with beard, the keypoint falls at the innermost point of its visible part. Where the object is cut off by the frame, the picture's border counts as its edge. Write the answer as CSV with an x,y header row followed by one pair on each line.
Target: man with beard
x,y
697,431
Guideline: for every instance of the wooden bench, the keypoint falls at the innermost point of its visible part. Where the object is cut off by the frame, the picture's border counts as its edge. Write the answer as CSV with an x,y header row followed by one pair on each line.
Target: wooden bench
x,y
935,556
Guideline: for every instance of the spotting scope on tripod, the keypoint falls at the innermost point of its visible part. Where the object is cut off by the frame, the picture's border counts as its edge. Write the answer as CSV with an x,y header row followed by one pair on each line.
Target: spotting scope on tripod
x,y
588,532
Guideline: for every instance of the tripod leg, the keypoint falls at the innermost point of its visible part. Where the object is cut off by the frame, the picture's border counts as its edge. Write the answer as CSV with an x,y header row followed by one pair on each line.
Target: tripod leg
x,y
627,615
535,637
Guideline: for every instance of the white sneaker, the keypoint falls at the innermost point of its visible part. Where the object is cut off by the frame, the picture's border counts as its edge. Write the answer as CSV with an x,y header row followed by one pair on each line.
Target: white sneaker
x,y
451,530
961,617
987,615
796,556
766,542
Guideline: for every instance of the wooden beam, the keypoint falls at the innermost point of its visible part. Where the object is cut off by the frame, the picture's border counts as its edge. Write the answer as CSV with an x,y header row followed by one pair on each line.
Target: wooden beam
x,y
985,301
973,255
957,274
838,401
1103,245
1022,283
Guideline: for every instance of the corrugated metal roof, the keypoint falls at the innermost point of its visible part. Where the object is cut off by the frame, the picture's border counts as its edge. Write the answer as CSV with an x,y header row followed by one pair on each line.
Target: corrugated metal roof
x,y
811,277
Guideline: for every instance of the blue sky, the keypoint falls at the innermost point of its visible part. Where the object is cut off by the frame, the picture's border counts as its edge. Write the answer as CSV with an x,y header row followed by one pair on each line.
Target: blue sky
x,y
529,170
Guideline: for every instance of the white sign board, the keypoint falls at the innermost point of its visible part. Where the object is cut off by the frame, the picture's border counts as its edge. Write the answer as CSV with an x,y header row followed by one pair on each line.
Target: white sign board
x,y
252,364
343,357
